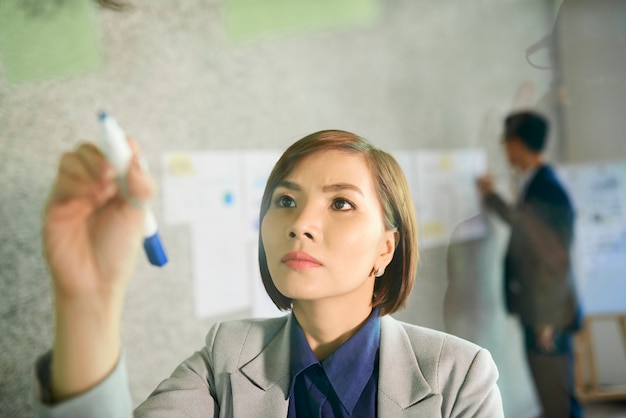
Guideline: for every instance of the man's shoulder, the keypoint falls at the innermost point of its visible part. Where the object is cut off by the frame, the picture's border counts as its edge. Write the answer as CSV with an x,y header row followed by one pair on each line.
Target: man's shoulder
x,y
547,187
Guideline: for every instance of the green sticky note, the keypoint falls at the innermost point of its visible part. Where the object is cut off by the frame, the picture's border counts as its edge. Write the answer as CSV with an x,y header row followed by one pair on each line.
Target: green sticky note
x,y
42,39
254,19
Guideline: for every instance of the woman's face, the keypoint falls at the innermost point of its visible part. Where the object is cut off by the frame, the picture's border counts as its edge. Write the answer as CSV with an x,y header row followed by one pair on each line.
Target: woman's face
x,y
324,233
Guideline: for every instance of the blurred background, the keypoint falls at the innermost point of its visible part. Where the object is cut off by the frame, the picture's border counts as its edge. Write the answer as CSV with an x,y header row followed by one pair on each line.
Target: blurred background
x,y
240,75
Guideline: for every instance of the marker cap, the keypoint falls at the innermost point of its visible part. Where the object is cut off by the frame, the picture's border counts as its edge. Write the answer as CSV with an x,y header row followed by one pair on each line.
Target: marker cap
x,y
154,250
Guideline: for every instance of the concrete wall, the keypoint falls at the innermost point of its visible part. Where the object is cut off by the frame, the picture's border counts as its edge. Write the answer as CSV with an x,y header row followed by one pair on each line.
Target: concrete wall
x,y
425,74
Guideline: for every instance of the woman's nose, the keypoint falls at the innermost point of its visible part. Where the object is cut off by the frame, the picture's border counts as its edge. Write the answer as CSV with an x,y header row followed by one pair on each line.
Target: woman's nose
x,y
305,225
293,234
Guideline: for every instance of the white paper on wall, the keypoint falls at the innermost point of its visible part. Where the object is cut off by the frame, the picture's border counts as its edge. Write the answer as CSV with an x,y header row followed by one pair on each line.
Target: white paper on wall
x,y
598,192
447,195
262,305
201,185
220,268
218,194
257,166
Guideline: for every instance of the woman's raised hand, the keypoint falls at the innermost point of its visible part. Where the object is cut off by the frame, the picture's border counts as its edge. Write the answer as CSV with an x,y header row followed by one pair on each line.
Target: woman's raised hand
x,y
91,237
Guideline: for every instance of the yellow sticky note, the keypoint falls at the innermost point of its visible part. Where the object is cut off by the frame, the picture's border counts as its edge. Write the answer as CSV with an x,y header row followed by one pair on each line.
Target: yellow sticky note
x,y
432,229
445,162
180,165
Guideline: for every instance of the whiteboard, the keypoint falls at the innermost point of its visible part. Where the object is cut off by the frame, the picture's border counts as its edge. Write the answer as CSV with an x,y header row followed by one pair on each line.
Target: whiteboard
x,y
218,195
443,185
598,192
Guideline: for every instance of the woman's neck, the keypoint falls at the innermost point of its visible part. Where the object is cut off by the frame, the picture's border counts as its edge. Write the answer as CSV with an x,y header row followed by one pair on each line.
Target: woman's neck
x,y
327,326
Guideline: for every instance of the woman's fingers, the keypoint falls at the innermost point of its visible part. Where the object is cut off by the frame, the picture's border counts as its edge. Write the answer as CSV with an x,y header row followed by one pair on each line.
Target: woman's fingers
x,y
91,193
139,182
86,181
83,174
95,162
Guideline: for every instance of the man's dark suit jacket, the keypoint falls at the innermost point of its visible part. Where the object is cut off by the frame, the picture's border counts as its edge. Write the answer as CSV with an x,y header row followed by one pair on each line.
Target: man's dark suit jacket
x,y
538,282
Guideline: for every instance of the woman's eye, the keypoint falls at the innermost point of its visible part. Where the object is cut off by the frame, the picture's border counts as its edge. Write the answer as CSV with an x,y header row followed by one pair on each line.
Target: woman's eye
x,y
285,202
342,204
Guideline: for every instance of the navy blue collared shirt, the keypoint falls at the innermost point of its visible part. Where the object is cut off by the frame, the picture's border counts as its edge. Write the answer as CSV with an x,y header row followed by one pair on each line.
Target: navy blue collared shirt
x,y
344,384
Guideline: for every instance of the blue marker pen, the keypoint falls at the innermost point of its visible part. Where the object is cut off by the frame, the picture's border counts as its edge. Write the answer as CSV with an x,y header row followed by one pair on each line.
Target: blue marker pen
x,y
118,152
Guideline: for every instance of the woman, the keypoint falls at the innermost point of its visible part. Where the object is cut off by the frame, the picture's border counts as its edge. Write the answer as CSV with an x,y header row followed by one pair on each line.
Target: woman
x,y
338,247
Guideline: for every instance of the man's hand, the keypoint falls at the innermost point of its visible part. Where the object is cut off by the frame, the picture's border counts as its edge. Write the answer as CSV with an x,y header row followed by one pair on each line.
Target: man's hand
x,y
545,338
485,184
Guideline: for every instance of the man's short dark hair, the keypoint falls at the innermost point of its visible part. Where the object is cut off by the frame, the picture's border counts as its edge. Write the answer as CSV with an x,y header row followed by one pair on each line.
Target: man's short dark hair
x,y
529,127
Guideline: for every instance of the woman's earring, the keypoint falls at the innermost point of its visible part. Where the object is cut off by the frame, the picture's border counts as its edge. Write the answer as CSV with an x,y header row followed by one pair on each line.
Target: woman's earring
x,y
380,271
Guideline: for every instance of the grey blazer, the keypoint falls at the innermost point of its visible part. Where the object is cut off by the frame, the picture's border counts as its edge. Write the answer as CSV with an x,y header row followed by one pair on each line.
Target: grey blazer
x,y
243,371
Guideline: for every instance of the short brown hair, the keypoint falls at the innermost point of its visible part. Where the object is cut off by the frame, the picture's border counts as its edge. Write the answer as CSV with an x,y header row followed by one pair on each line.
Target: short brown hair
x,y
392,289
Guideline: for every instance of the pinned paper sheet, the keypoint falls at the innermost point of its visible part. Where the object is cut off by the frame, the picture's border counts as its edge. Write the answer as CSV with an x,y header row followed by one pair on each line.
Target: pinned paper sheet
x,y
448,196
253,19
262,304
202,185
218,194
257,166
42,39
220,268
598,191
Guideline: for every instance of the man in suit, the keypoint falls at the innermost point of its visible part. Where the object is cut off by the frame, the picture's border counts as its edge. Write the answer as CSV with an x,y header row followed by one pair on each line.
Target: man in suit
x,y
538,282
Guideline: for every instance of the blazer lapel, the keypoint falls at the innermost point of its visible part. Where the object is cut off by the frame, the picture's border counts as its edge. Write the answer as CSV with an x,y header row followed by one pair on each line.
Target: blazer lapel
x,y
401,384
261,386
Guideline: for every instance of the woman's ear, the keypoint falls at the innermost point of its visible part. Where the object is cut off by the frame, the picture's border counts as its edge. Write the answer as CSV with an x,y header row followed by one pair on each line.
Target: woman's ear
x,y
388,247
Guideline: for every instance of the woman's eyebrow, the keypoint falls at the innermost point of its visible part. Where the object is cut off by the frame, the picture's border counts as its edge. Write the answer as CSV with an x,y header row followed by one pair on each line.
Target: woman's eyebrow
x,y
289,185
341,186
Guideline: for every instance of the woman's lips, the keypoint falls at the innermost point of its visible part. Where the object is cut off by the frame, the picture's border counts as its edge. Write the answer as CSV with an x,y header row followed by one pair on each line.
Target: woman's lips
x,y
300,260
